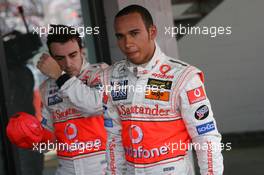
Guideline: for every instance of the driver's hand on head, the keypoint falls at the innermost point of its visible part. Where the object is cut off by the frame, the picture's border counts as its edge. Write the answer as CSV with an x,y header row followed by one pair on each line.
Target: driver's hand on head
x,y
49,67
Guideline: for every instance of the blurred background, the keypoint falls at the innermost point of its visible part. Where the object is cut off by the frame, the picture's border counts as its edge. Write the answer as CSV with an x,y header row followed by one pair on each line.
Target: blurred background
x,y
224,38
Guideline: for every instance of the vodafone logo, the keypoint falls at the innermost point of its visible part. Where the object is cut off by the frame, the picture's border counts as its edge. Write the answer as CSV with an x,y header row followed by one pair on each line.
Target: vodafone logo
x,y
197,93
135,134
70,131
165,68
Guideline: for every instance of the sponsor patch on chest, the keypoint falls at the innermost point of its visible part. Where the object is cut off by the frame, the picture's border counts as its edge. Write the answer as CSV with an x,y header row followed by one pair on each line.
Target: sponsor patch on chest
x,y
157,95
119,90
55,99
161,84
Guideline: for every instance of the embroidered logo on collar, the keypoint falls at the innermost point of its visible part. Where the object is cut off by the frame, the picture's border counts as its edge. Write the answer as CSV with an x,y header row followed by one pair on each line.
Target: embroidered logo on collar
x,y
138,71
163,70
122,70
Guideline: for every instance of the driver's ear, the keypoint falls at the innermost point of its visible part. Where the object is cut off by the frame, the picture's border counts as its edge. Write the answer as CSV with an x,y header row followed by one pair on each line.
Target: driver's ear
x,y
83,52
153,32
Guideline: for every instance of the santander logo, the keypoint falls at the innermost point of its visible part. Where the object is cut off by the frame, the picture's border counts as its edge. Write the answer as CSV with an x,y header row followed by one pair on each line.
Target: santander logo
x,y
148,110
58,114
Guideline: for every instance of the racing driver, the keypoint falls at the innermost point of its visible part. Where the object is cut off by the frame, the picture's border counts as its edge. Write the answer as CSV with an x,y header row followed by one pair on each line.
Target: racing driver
x,y
161,121
83,135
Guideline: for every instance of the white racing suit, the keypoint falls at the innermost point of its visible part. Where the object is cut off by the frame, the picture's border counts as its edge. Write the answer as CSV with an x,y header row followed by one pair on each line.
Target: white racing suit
x,y
92,101
163,108
80,137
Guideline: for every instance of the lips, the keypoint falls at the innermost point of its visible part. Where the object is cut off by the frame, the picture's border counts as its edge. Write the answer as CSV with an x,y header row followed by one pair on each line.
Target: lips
x,y
131,53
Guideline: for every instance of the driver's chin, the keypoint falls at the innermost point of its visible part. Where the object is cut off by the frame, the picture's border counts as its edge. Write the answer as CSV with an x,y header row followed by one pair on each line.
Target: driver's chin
x,y
136,59
72,73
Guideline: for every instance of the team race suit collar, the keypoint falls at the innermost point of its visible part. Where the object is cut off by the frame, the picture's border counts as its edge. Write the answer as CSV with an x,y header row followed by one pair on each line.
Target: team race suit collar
x,y
85,64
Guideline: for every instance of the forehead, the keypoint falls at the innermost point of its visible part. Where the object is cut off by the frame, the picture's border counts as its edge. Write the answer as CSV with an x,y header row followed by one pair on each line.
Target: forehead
x,y
64,48
129,22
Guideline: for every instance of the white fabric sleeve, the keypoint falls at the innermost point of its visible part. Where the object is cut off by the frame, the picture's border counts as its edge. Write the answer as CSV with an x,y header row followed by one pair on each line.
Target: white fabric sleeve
x,y
198,117
83,97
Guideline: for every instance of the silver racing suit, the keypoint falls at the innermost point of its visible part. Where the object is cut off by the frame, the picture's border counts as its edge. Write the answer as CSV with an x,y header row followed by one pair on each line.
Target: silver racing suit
x,y
160,110
80,137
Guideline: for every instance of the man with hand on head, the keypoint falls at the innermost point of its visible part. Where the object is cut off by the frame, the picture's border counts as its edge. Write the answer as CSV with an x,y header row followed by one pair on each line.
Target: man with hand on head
x,y
156,124
82,135
49,67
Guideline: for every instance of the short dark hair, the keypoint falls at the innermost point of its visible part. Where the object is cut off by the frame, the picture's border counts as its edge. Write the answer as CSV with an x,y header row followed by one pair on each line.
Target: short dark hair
x,y
144,13
62,34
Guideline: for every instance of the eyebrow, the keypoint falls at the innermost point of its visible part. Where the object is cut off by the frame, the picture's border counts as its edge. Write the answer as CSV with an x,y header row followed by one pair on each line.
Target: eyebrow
x,y
62,56
73,53
133,30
